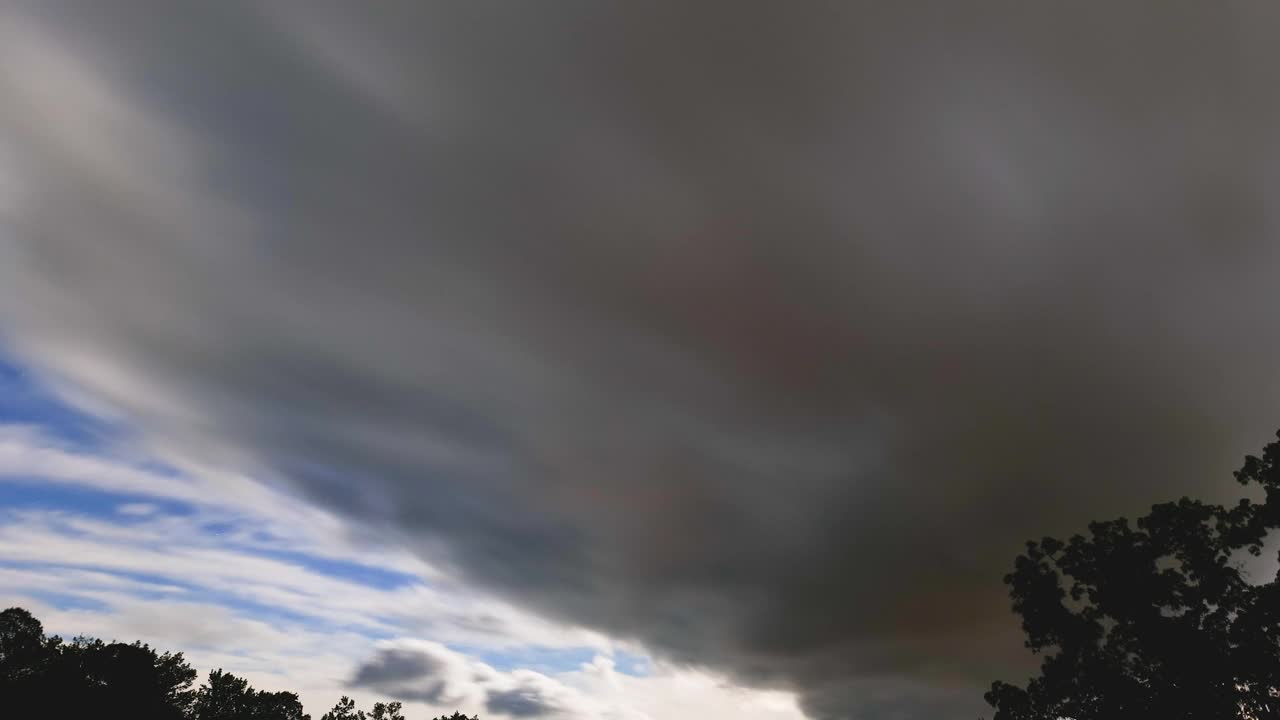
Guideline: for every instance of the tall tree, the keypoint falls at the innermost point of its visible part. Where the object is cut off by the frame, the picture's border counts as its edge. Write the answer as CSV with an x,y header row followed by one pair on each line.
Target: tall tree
x,y
22,645
25,661
278,706
344,710
1155,619
224,697
227,697
91,677
21,638
386,711
88,677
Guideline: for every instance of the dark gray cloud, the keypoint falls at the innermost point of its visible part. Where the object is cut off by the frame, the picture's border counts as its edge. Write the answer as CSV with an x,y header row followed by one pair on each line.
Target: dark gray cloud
x,y
405,674
525,701
761,334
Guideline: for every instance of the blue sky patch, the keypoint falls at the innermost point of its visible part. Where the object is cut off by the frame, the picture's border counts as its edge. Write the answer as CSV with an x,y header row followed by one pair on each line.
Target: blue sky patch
x,y
25,400
376,577
40,494
543,659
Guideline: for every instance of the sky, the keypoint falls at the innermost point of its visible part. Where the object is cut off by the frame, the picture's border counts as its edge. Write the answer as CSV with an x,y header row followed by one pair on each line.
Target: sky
x,y
101,537
582,359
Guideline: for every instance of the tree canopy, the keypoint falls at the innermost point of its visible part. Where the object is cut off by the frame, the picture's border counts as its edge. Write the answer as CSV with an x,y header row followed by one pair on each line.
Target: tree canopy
x,y
87,677
1159,618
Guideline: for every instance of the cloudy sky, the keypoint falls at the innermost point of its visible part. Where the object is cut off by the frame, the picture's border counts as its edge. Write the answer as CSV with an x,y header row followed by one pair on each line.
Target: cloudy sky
x,y
585,359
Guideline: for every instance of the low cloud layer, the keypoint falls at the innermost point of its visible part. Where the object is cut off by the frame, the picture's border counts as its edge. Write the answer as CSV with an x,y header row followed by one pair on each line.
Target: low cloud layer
x,y
762,335
432,673
406,674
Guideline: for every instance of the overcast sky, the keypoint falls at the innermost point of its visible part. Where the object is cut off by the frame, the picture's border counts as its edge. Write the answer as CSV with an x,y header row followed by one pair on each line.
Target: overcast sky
x,y
584,359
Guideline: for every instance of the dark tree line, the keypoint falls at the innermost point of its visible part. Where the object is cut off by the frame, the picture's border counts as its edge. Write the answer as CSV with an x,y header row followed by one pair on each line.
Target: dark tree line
x,y
45,676
1154,619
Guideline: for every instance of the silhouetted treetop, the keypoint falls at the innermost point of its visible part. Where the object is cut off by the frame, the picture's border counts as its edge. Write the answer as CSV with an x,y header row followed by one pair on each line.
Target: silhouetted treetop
x,y
22,645
386,711
345,709
227,697
1156,618
88,677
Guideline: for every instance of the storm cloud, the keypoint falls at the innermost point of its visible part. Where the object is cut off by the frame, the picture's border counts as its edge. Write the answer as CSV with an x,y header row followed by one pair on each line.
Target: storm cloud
x,y
405,674
760,333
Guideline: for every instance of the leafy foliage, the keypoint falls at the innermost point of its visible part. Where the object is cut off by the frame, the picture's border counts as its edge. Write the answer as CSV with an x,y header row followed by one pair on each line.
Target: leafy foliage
x,y
344,710
227,697
1155,619
87,678
386,711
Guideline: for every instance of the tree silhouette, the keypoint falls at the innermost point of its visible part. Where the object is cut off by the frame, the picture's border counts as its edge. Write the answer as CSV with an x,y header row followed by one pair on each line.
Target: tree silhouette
x,y
386,711
227,697
88,677
130,679
25,660
224,697
22,647
277,706
344,710
21,640
1158,619
42,676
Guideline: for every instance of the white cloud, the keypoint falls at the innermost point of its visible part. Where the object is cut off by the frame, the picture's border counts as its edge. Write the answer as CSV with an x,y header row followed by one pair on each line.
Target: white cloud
x,y
418,669
670,692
